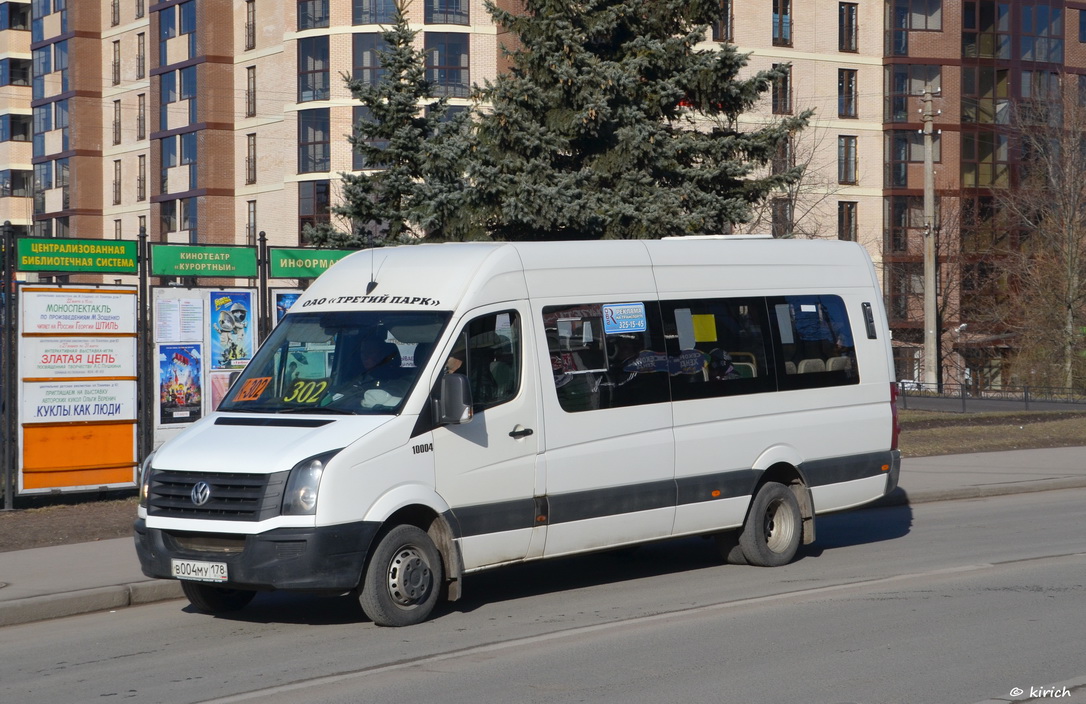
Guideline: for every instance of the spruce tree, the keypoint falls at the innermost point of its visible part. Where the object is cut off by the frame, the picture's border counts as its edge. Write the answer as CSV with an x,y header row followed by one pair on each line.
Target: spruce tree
x,y
409,189
613,124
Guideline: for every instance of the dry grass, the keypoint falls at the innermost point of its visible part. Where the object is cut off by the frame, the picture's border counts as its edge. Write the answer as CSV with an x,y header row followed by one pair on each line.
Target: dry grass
x,y
926,433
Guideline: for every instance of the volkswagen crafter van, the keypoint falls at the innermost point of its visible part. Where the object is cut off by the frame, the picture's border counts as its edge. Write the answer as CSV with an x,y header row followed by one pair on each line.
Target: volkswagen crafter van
x,y
425,412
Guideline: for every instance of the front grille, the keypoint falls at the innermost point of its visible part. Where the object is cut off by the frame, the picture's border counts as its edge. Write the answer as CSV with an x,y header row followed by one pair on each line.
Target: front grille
x,y
233,497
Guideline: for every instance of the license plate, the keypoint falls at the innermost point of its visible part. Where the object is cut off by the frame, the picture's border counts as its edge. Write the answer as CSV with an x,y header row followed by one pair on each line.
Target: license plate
x,y
199,571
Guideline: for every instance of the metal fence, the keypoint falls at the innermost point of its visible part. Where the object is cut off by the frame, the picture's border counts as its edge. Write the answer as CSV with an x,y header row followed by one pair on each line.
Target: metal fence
x,y
965,398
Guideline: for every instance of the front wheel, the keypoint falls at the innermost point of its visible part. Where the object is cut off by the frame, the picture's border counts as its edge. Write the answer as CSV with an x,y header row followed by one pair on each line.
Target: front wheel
x,y
773,528
403,580
210,599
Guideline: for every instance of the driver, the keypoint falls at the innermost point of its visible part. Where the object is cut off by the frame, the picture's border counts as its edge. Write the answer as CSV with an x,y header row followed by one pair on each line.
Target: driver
x,y
381,380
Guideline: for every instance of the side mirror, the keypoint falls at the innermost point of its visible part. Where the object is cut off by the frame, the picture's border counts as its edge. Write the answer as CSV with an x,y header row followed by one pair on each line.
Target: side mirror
x,y
453,403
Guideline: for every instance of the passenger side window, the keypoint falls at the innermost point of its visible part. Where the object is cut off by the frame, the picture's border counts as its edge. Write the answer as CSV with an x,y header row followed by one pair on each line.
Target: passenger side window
x,y
607,355
718,347
488,352
816,342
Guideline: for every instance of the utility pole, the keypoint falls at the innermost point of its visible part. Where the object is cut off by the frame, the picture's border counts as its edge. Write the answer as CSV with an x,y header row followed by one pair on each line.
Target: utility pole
x,y
931,308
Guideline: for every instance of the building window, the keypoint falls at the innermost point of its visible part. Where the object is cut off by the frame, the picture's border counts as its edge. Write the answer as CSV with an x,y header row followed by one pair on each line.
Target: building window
x,y
904,83
250,158
16,184
781,217
314,204
313,140
446,12
847,92
782,22
140,9
986,95
367,63
143,224
373,11
250,91
250,25
141,116
180,215
313,69
15,128
116,62
722,28
250,222
846,220
985,160
846,159
116,122
115,13
447,64
141,55
16,72
906,147
116,182
312,14
141,177
784,158
848,29
782,90
14,15
116,229
918,15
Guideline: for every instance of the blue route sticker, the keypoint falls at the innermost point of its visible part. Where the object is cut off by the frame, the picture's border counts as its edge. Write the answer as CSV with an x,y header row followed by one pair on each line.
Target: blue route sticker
x,y
624,317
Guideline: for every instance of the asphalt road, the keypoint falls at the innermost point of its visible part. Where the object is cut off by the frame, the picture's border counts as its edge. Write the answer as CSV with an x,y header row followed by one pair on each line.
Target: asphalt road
x,y
958,601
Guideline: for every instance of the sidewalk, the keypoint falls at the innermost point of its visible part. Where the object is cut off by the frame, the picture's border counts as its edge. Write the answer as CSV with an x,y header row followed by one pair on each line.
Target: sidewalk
x,y
72,579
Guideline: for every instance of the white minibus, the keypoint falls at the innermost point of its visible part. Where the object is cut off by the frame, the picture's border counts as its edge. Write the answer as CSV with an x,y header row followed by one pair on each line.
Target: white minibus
x,y
424,412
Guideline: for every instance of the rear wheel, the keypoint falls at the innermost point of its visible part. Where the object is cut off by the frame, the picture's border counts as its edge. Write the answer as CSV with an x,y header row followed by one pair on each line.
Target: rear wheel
x,y
403,580
772,532
216,600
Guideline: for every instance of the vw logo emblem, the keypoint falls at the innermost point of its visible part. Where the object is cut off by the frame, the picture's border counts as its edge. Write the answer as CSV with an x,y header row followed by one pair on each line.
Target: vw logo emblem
x,y
201,493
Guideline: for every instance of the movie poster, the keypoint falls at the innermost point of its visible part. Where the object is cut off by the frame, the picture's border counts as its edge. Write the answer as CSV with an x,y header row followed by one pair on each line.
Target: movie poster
x,y
179,388
231,329
283,302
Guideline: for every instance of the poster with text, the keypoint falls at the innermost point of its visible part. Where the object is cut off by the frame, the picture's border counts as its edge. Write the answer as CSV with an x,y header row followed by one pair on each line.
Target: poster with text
x,y
231,329
180,391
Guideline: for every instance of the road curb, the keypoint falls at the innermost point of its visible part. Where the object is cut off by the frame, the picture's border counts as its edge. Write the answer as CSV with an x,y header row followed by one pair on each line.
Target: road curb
x,y
899,497
84,601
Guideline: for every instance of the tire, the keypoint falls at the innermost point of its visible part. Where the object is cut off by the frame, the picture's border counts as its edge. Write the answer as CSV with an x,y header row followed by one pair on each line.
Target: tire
x,y
210,599
773,528
403,579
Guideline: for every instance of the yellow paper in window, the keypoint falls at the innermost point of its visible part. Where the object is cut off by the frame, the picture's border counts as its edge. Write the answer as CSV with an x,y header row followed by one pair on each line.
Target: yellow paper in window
x,y
704,328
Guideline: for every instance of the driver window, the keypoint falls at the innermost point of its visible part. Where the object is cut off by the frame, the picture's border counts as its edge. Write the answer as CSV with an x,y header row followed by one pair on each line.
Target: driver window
x,y
488,353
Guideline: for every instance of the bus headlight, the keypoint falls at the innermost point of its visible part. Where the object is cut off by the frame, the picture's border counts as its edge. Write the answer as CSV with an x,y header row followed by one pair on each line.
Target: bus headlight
x,y
303,484
144,479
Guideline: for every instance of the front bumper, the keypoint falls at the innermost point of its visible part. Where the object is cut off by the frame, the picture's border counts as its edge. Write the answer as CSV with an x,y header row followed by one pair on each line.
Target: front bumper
x,y
328,558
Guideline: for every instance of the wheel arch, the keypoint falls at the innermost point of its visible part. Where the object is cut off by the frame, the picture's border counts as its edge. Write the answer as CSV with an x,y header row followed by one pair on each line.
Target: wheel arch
x,y
425,516
786,469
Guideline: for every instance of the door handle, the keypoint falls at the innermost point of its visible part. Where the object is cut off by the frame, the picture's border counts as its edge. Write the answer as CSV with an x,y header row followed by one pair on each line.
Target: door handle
x,y
520,432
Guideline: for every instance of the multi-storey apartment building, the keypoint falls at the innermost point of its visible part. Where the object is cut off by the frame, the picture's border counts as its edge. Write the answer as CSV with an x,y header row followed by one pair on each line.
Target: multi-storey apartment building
x,y
208,121
16,171
984,60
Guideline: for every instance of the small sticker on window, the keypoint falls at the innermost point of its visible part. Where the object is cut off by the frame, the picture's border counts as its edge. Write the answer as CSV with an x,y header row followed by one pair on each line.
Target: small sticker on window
x,y
624,317
253,389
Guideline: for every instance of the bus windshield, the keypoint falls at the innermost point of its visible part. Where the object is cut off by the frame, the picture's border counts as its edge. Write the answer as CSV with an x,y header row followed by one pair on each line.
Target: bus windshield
x,y
350,362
